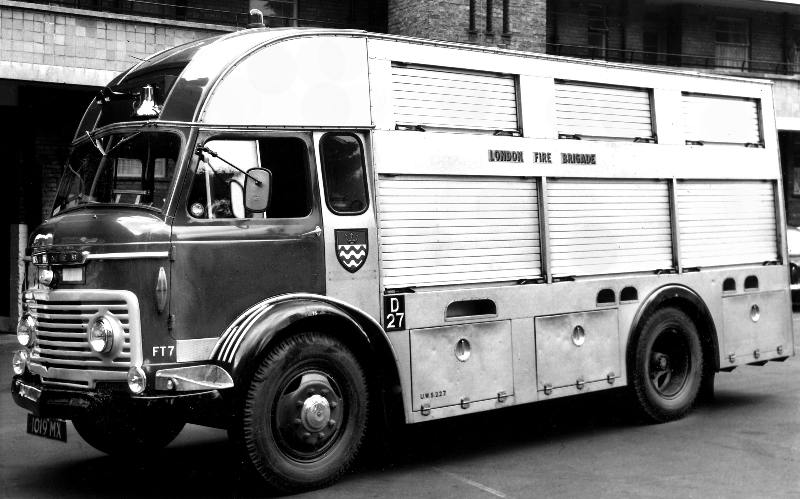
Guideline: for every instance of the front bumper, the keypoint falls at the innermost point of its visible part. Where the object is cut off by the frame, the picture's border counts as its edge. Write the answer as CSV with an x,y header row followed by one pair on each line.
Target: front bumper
x,y
208,408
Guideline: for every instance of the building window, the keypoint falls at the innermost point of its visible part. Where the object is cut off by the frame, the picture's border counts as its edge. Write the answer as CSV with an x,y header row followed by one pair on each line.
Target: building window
x,y
732,43
598,31
793,61
277,13
654,45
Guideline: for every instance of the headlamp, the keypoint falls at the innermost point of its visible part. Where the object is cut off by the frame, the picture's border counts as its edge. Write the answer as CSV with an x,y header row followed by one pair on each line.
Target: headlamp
x,y
137,380
46,277
26,330
20,361
101,334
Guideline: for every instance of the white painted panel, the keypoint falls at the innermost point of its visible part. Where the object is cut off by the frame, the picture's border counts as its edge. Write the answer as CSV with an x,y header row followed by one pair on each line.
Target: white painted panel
x,y
437,230
299,82
447,98
598,111
708,118
726,223
608,226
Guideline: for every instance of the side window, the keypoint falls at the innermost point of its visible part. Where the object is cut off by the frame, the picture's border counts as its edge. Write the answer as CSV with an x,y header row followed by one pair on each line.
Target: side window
x,y
343,169
218,188
287,159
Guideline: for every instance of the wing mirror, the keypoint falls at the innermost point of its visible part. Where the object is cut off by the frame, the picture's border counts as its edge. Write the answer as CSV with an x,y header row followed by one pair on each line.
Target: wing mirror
x,y
257,189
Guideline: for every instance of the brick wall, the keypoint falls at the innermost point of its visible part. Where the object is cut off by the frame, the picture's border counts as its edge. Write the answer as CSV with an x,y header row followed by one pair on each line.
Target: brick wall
x,y
449,20
687,28
698,40
360,14
63,45
568,31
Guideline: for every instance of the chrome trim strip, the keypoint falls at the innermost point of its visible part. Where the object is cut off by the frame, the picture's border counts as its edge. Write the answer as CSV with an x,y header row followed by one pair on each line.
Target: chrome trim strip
x,y
129,255
192,378
29,392
197,349
227,344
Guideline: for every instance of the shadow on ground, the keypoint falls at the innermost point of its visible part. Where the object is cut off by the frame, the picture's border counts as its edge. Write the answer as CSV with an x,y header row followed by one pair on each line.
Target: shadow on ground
x,y
210,468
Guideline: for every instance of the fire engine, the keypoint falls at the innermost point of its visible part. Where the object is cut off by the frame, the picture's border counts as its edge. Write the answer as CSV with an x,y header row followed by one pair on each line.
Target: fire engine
x,y
300,234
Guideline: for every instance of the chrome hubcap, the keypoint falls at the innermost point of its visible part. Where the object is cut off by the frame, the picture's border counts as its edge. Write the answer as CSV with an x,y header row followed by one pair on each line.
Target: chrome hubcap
x,y
316,413
308,415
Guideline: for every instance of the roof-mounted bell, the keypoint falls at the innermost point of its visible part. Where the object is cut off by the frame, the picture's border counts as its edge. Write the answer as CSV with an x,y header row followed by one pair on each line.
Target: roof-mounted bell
x,y
147,107
256,19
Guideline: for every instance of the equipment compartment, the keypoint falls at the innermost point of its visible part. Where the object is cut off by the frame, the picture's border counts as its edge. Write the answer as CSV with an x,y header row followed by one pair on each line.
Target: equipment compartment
x,y
460,364
754,326
575,349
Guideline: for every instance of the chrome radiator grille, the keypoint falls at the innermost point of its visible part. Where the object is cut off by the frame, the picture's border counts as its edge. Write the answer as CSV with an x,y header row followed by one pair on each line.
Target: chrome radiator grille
x,y
61,346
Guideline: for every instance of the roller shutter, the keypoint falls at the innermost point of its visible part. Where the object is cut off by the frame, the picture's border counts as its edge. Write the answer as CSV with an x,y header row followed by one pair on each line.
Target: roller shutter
x,y
602,227
603,111
437,97
443,230
708,118
725,223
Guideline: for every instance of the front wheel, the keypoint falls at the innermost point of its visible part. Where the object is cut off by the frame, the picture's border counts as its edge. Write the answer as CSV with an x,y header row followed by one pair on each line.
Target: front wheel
x,y
667,365
304,415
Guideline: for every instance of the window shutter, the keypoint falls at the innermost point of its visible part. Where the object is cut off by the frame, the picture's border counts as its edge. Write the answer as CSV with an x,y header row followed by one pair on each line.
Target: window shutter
x,y
608,226
727,120
727,223
438,97
603,111
444,230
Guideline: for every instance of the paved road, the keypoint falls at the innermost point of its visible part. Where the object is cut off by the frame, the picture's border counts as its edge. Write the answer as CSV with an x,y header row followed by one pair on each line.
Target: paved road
x,y
745,443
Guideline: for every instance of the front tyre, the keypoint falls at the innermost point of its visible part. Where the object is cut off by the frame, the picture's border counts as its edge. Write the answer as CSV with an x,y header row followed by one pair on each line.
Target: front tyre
x,y
667,365
304,415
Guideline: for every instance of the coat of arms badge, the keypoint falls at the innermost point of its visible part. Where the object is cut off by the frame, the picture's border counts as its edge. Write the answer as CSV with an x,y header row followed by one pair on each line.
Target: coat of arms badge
x,y
352,248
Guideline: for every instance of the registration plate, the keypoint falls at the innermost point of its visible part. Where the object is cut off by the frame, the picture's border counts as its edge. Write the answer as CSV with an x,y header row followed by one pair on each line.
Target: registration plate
x,y
55,429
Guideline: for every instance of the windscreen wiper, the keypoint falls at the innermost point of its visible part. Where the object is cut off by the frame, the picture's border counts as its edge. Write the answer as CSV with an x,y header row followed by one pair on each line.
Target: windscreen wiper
x,y
96,143
203,149
122,141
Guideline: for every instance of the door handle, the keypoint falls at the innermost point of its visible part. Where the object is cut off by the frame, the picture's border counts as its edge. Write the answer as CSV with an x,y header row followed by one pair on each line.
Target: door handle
x,y
316,232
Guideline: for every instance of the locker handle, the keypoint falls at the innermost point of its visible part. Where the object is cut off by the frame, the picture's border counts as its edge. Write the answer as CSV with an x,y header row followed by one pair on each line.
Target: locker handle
x,y
470,308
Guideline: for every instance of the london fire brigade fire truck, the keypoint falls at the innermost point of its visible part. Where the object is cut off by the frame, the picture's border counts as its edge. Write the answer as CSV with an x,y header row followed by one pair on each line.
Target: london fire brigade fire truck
x,y
297,234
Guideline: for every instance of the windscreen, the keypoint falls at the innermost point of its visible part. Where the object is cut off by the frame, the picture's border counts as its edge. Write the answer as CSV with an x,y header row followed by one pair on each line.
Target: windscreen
x,y
132,168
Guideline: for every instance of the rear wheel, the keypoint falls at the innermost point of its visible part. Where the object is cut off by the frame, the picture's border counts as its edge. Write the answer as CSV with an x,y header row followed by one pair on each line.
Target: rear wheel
x,y
668,365
305,413
129,433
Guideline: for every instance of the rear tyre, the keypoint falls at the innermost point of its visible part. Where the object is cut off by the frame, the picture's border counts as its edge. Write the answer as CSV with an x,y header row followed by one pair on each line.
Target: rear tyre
x,y
304,415
667,365
126,434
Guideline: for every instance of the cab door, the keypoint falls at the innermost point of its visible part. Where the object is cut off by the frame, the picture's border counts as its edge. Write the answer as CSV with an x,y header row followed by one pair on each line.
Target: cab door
x,y
351,241
225,258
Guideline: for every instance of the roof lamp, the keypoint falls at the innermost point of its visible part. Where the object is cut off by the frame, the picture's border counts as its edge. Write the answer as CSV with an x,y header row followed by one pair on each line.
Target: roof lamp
x,y
147,105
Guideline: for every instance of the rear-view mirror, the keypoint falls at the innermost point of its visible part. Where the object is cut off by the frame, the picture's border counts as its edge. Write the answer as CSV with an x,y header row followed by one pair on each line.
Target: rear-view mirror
x,y
257,189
